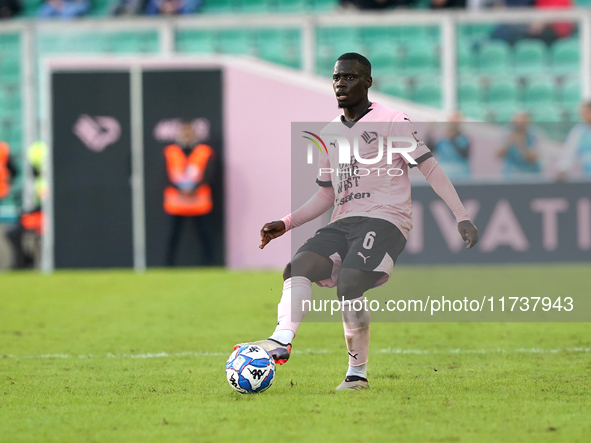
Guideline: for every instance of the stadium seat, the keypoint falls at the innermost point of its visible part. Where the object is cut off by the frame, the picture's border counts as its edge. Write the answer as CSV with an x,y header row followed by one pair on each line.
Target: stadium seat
x,y
324,5
469,92
342,40
411,35
503,91
428,92
474,33
530,56
546,114
218,6
9,65
539,92
292,5
396,88
571,114
466,61
474,110
385,60
235,42
131,43
30,7
375,38
566,56
101,7
279,46
202,42
571,94
504,112
8,40
494,57
420,59
254,6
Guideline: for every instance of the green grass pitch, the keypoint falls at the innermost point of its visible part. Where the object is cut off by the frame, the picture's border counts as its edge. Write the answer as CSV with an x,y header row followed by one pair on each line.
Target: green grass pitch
x,y
116,357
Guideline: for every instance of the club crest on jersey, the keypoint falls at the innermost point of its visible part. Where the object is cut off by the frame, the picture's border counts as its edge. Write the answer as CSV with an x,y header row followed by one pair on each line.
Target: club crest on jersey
x,y
369,137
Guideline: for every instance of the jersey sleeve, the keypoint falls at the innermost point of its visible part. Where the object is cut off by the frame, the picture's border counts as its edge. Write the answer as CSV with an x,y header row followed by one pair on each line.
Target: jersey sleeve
x,y
324,177
403,127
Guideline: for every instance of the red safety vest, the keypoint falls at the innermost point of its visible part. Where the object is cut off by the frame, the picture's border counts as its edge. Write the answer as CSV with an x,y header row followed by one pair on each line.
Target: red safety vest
x,y
33,221
4,174
183,169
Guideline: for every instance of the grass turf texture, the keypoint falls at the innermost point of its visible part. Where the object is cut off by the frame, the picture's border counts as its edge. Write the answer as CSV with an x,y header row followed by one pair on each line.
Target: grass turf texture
x,y
103,388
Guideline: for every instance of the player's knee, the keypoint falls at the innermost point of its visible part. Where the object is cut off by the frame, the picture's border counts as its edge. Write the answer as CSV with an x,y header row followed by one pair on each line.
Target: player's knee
x,y
347,291
310,265
353,283
347,287
287,272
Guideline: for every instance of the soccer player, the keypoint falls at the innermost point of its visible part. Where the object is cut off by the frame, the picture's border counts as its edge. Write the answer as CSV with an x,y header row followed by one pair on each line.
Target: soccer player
x,y
368,229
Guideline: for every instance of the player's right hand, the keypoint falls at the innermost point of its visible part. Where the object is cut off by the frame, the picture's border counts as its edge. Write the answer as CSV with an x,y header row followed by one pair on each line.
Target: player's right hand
x,y
469,233
270,231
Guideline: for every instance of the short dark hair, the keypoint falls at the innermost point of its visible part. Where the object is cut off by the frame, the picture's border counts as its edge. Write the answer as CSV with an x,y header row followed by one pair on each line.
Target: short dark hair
x,y
364,62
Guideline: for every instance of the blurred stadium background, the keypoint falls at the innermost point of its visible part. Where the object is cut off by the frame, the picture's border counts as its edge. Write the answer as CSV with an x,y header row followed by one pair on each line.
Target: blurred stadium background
x,y
428,62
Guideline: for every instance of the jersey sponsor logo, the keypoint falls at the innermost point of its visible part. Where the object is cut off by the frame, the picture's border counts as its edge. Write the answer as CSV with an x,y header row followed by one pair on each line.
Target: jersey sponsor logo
x,y
352,196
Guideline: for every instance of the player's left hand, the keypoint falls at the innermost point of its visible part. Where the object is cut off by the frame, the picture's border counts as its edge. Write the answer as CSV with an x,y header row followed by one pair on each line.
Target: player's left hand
x,y
469,233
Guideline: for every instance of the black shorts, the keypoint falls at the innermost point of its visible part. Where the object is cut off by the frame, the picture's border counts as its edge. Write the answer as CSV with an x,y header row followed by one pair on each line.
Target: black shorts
x,y
364,243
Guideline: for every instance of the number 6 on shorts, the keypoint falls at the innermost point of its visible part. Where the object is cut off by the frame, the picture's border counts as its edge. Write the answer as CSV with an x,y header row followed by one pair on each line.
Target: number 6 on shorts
x,y
368,241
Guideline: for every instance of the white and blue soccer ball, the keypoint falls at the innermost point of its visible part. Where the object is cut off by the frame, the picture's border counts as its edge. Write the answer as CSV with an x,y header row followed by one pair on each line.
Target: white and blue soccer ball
x,y
250,369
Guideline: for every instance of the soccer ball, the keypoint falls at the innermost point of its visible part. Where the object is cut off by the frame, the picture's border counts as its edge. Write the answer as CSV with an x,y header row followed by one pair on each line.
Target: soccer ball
x,y
250,369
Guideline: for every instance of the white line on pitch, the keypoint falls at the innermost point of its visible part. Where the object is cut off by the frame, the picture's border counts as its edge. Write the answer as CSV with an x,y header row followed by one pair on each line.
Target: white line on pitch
x,y
305,351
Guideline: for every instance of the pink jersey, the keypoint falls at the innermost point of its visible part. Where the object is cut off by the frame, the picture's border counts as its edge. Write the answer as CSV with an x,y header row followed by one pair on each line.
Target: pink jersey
x,y
373,187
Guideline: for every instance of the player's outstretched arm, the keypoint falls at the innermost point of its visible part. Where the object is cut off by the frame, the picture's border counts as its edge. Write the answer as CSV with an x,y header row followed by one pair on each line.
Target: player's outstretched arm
x,y
441,184
318,204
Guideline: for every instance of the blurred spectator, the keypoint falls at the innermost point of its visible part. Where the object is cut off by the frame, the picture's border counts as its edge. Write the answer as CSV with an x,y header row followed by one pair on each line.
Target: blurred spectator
x,y
442,4
520,151
452,150
190,168
558,29
9,8
474,5
30,223
128,7
511,33
375,4
172,7
63,8
547,32
577,147
7,170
